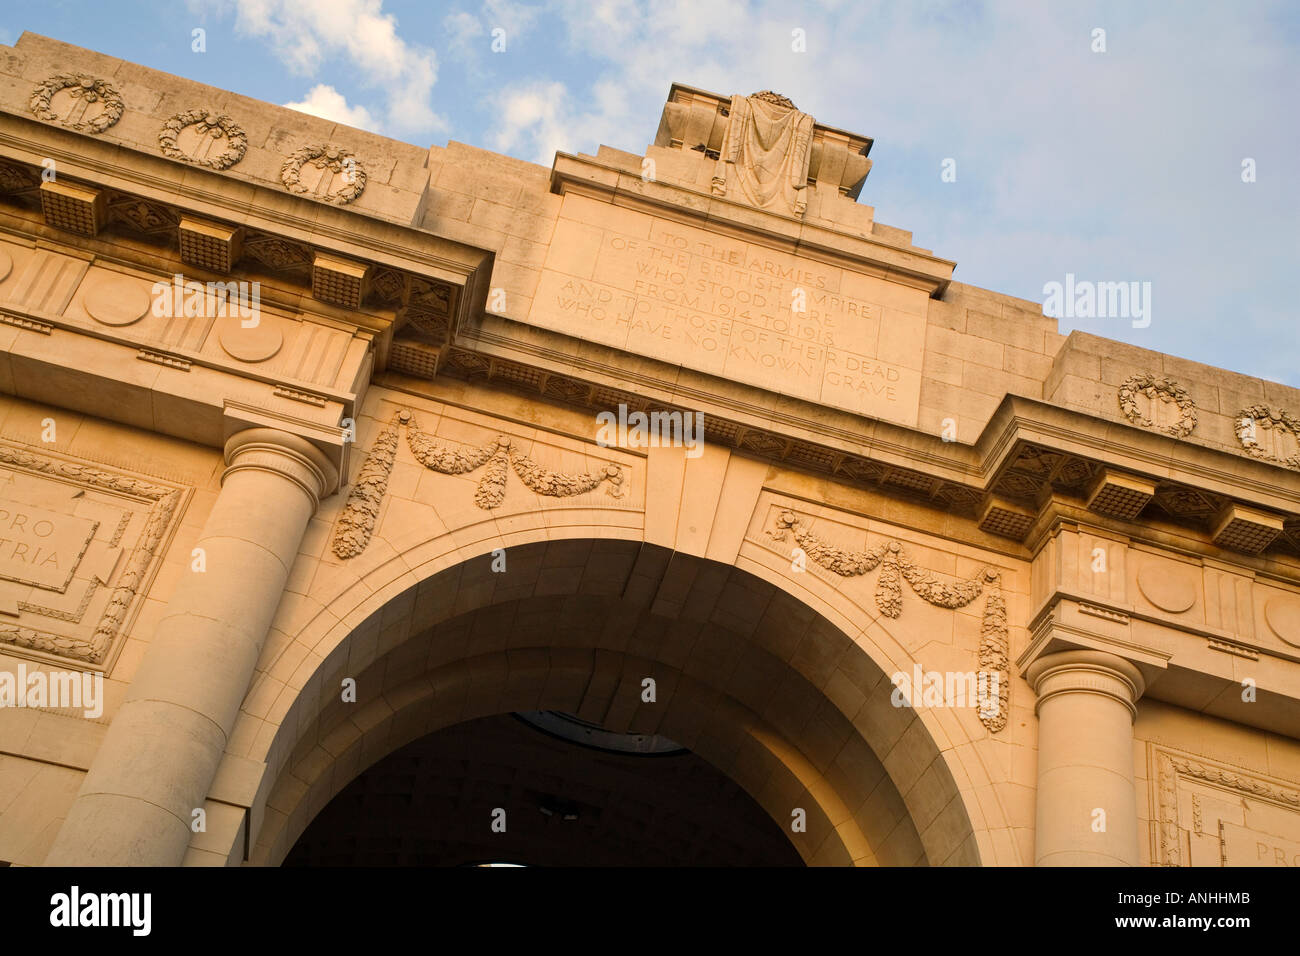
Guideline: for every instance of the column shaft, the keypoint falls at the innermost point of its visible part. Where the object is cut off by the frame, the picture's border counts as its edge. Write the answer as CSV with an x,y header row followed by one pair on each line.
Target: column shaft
x,y
162,749
1086,804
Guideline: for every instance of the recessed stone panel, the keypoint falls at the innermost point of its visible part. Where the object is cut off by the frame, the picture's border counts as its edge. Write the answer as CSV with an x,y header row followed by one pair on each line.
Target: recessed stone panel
x,y
735,309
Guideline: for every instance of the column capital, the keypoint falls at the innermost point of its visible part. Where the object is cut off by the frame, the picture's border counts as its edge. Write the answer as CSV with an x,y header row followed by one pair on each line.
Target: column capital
x,y
284,454
1083,671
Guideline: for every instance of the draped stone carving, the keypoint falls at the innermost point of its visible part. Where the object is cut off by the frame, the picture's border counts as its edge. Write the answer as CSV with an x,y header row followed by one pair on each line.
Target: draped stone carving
x,y
498,458
895,567
764,155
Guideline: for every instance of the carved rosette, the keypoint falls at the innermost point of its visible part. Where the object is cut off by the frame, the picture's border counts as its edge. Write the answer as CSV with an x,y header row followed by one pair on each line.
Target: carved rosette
x,y
334,162
209,128
1251,420
1157,390
95,103
164,502
497,459
895,567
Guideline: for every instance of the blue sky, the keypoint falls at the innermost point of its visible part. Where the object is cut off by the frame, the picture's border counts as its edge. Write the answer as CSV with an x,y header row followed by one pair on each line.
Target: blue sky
x,y
1123,165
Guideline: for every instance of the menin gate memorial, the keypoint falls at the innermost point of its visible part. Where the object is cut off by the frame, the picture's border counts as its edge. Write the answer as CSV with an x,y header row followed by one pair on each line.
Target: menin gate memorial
x,y
368,518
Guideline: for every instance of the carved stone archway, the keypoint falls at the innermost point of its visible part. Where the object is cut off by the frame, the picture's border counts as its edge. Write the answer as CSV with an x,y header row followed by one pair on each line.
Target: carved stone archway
x,y
783,701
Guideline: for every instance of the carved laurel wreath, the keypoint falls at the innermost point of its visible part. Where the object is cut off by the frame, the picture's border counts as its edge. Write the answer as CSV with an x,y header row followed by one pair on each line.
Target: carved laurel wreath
x,y
895,566
1249,420
1157,389
81,87
216,125
357,523
768,96
334,159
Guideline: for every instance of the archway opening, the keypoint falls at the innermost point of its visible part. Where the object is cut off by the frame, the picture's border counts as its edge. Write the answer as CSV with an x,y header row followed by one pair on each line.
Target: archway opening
x,y
542,789
631,639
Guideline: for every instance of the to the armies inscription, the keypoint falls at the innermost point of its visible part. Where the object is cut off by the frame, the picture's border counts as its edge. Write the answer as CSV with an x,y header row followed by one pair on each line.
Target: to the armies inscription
x,y
735,309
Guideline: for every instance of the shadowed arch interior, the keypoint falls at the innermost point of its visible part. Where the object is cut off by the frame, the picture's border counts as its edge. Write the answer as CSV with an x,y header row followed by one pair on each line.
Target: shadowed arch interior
x,y
746,676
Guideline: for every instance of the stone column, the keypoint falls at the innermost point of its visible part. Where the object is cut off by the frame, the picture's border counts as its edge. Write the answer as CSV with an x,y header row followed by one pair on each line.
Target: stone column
x,y
1086,706
161,752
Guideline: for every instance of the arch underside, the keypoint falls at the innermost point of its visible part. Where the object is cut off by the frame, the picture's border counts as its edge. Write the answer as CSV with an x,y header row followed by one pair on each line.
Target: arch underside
x,y
747,676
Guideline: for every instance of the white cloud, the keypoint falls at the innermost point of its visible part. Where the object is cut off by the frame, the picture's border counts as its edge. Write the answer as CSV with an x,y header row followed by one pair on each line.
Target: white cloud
x,y
359,32
328,103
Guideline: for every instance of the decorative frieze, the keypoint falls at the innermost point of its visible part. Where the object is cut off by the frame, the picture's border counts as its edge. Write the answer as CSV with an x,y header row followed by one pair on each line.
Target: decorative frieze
x,y
497,459
895,567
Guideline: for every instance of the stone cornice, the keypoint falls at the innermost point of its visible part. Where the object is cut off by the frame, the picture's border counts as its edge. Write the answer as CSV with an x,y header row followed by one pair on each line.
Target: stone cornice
x,y
962,478
207,194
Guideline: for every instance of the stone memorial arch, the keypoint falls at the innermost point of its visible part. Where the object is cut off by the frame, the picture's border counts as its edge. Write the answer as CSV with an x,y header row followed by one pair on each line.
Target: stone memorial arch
x,y
316,447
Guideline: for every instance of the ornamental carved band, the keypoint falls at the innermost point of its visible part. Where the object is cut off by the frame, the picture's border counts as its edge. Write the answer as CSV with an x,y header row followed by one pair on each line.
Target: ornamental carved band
x,y
895,567
209,128
91,104
1157,390
498,458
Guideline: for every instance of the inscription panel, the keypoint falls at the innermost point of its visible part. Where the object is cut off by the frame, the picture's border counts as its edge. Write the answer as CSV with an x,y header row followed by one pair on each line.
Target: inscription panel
x,y
41,547
1243,846
1213,814
734,309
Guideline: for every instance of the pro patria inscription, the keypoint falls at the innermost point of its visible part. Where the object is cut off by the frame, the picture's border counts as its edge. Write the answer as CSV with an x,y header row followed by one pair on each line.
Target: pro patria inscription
x,y
734,309
41,547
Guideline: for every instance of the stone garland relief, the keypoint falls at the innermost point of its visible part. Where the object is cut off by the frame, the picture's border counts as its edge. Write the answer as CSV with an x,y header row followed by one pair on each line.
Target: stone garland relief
x,y
163,505
87,104
1157,390
336,165
192,135
895,566
357,522
1270,435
